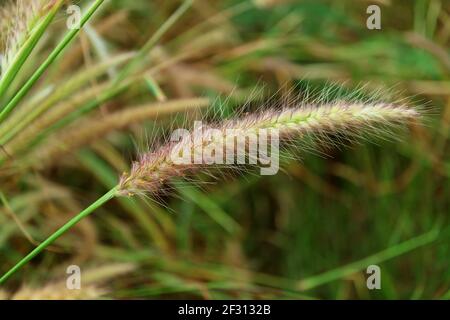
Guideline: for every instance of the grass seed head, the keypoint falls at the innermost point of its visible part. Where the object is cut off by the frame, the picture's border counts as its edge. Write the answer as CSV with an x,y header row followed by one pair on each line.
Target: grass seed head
x,y
293,121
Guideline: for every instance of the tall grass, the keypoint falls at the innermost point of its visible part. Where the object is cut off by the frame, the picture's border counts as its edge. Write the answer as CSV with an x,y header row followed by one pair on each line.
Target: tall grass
x,y
157,168
66,114
6,110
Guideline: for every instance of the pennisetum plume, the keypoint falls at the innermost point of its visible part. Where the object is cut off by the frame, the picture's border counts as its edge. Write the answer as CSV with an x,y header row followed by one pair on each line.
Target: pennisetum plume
x,y
157,167
294,122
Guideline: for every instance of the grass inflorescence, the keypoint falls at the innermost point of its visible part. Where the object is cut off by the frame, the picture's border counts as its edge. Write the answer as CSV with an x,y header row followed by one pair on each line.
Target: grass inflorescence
x,y
155,168
75,102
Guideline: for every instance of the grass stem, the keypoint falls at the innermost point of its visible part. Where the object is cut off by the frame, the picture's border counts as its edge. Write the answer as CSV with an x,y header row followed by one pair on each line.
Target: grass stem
x,y
50,59
26,50
98,203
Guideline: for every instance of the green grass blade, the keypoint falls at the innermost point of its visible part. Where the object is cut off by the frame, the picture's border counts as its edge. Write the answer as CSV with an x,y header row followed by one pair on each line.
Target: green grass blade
x,y
351,268
210,207
26,49
108,177
27,113
50,59
101,201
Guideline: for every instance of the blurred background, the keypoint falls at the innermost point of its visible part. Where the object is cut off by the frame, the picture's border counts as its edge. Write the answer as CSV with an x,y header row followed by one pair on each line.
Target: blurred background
x,y
309,232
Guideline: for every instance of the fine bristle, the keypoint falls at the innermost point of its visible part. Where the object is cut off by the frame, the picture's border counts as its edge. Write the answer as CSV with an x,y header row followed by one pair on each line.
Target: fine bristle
x,y
294,122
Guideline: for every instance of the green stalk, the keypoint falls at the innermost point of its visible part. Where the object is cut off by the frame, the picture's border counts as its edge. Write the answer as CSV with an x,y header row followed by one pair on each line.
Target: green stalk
x,y
26,49
58,233
50,59
351,268
32,110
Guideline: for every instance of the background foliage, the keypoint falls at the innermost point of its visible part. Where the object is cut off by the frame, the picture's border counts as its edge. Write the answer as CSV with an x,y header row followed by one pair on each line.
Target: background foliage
x,y
308,232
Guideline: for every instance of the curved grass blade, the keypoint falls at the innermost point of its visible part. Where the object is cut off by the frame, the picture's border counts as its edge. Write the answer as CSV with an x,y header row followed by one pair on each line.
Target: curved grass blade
x,y
101,201
50,59
26,49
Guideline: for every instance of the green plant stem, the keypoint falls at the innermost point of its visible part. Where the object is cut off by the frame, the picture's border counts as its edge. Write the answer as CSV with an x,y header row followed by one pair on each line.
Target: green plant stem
x,y
389,253
26,50
98,203
50,59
